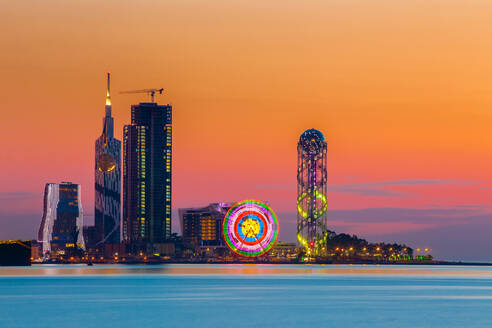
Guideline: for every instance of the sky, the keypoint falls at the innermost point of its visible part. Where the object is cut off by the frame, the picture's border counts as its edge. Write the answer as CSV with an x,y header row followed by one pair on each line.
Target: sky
x,y
402,91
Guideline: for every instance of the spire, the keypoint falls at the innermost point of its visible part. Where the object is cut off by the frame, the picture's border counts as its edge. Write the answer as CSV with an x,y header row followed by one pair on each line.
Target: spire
x,y
107,119
108,96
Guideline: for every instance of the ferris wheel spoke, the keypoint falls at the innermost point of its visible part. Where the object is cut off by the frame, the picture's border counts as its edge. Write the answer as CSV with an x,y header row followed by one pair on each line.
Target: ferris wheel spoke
x,y
261,245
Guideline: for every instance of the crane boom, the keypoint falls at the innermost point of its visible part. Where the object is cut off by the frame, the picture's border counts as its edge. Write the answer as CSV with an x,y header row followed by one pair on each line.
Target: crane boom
x,y
150,92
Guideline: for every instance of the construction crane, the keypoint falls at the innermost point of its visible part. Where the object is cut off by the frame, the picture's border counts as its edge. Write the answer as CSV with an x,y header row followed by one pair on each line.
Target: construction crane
x,y
150,92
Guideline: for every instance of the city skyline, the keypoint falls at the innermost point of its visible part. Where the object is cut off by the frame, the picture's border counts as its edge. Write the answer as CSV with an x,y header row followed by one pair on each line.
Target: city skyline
x,y
408,142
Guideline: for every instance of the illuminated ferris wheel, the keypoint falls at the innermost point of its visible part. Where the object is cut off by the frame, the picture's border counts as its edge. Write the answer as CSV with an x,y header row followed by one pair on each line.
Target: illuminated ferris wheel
x,y
250,228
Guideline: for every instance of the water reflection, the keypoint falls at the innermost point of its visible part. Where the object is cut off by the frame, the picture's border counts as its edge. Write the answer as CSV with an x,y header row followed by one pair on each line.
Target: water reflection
x,y
247,269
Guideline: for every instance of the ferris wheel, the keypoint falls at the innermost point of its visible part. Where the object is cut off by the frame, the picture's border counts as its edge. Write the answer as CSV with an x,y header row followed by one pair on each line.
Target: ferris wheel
x,y
250,228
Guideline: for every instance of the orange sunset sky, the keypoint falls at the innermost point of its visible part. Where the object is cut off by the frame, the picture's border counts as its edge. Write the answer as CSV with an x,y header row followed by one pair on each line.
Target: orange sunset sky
x,y
401,89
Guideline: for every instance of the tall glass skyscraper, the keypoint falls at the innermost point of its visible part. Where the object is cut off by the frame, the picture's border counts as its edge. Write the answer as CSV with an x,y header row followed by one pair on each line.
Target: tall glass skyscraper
x,y
147,154
60,231
107,171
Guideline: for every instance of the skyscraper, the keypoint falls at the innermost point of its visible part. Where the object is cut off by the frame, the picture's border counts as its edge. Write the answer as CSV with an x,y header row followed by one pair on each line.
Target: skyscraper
x,y
107,212
147,154
311,191
61,226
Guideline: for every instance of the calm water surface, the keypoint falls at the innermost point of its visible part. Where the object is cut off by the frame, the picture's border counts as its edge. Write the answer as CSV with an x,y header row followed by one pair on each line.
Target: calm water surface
x,y
245,296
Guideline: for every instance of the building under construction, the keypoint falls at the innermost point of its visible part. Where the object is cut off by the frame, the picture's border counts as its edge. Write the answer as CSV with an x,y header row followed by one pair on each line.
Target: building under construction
x,y
147,154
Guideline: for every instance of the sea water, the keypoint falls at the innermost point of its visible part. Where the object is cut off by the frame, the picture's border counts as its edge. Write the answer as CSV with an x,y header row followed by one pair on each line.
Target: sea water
x,y
245,296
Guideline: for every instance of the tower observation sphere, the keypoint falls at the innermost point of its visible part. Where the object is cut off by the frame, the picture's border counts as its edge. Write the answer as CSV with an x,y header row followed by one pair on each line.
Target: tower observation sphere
x,y
311,192
312,142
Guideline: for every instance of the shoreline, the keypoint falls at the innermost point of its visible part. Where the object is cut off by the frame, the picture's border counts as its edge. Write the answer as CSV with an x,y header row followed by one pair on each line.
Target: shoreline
x,y
410,263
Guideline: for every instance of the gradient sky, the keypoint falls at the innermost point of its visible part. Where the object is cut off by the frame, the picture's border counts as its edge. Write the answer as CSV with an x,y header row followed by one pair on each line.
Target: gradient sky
x,y
401,89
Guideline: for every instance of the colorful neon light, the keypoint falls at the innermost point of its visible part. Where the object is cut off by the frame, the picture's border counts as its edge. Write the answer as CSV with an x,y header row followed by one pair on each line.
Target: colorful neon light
x,y
250,228
306,197
311,192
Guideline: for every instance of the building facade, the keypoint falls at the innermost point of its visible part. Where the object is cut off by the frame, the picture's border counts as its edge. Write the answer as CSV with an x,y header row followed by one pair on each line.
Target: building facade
x,y
284,251
203,226
107,173
147,157
61,229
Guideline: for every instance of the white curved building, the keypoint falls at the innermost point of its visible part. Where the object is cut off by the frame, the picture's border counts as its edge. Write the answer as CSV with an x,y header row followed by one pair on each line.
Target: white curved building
x,y
61,229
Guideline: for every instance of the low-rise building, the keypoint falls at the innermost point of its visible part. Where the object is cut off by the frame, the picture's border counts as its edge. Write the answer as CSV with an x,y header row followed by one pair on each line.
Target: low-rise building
x,y
284,250
202,227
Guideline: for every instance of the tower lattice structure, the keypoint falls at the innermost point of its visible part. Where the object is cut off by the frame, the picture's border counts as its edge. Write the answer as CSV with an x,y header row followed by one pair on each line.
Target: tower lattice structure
x,y
311,192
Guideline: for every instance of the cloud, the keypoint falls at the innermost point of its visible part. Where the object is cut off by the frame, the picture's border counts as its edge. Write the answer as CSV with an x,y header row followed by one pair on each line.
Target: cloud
x,y
379,228
475,206
276,186
17,195
461,232
417,182
380,189
361,190
370,221
19,226
19,202
455,215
